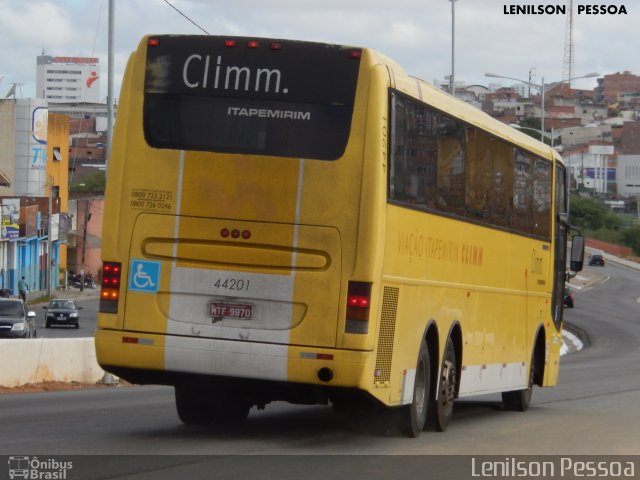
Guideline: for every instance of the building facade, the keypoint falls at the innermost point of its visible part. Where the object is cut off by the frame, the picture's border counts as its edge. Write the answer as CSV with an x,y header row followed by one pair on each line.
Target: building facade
x,y
34,156
68,79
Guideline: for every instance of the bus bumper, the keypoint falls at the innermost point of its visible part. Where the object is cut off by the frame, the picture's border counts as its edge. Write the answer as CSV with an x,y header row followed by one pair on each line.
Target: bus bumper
x,y
119,351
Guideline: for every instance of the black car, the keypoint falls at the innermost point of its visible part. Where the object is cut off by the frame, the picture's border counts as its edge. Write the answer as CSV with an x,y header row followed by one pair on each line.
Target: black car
x,y
62,312
15,320
596,259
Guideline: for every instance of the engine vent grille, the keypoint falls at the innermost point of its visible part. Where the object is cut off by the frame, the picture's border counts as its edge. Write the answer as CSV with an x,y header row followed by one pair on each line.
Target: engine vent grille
x,y
382,374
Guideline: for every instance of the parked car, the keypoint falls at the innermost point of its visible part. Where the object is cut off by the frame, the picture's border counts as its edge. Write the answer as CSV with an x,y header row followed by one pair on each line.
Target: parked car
x,y
15,320
567,300
596,259
62,312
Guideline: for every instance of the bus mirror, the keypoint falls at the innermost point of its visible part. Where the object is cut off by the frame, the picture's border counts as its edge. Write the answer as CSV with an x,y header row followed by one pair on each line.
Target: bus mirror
x,y
563,218
577,253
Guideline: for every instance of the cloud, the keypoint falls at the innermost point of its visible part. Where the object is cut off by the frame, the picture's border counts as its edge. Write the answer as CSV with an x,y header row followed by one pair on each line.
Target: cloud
x,y
415,33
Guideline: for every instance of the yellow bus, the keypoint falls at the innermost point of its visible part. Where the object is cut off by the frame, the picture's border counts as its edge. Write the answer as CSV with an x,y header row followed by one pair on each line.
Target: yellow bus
x,y
299,221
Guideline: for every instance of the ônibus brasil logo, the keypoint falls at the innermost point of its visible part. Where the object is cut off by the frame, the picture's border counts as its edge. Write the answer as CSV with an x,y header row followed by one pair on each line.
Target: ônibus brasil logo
x,y
37,469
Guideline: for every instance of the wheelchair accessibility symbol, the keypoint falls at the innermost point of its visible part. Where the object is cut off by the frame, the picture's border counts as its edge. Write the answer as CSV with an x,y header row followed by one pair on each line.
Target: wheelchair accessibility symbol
x,y
144,276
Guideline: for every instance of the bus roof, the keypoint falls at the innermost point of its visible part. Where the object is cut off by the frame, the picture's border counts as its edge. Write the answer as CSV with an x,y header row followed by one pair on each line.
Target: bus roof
x,y
445,102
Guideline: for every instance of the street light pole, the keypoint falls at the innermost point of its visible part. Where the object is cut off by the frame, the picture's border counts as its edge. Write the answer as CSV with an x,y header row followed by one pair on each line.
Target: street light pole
x,y
452,85
110,100
49,241
541,87
551,136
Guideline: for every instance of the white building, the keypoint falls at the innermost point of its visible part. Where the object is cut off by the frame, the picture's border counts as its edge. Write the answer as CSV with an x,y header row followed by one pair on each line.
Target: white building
x,y
628,177
68,79
23,147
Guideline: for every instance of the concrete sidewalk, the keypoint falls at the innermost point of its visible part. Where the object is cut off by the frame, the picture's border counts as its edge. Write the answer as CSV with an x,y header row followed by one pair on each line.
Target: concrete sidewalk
x,y
73,293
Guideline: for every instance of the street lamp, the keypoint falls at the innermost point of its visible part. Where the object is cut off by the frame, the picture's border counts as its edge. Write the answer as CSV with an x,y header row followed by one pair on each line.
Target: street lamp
x,y
551,136
541,86
452,85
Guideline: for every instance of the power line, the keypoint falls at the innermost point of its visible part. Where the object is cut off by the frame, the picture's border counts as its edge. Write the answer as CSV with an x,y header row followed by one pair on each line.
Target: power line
x,y
167,2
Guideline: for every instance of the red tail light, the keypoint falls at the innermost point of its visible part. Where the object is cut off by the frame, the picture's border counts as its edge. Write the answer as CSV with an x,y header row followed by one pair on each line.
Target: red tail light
x,y
358,303
110,290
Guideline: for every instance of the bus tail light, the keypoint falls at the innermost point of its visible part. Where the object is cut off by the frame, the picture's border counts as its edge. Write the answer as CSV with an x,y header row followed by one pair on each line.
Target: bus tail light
x,y
358,305
110,290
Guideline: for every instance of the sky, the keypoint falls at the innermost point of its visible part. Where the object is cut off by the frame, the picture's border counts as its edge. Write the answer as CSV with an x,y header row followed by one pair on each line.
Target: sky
x,y
415,33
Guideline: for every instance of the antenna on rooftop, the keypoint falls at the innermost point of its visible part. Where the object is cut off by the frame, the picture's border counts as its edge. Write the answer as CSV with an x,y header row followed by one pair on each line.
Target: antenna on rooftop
x,y
569,59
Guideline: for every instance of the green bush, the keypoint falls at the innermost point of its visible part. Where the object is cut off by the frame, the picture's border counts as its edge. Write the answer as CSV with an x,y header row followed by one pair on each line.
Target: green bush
x,y
631,238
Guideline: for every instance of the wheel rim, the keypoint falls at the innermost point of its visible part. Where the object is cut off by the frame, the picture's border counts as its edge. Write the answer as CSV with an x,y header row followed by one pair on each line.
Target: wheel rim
x,y
448,384
420,389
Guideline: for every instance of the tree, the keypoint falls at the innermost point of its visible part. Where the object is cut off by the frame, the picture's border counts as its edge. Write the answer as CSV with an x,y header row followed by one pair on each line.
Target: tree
x,y
631,238
589,213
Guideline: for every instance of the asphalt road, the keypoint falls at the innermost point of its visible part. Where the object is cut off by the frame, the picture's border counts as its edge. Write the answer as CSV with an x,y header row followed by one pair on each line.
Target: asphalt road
x,y
593,411
88,318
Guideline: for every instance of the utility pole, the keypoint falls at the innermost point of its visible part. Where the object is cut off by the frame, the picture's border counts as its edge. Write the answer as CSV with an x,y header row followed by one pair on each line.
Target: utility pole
x,y
110,66
49,232
452,80
87,217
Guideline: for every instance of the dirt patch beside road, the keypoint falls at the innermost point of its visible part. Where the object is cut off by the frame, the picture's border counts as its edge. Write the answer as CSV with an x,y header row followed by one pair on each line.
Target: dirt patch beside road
x,y
54,387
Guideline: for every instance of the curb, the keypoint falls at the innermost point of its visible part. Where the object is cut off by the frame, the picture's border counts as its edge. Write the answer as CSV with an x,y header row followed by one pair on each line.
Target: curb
x,y
574,339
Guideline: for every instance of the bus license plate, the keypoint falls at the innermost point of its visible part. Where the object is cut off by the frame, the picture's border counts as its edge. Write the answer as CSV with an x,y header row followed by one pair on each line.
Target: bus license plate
x,y
240,311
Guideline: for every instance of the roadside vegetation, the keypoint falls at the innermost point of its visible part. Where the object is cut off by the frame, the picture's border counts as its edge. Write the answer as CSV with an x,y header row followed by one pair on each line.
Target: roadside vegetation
x,y
596,221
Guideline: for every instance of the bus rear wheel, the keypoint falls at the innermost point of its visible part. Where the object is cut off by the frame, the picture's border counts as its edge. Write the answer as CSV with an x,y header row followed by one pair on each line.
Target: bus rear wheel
x,y
192,406
201,407
442,408
415,414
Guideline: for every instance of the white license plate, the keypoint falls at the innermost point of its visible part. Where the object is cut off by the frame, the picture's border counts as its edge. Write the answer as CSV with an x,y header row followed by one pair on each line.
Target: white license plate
x,y
240,311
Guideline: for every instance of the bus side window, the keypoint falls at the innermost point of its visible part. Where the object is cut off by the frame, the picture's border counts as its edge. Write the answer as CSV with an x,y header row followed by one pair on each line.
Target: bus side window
x,y
451,166
413,164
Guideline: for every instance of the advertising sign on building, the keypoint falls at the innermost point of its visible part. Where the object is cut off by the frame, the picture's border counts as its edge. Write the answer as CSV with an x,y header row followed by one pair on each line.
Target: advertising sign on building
x,y
10,218
598,173
601,149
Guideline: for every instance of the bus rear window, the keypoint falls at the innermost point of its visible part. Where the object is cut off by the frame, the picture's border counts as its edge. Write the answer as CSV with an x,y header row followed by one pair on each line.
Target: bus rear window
x,y
293,101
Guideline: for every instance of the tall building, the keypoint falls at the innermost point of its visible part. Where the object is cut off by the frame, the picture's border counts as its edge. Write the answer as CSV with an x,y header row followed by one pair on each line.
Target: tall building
x,y
68,79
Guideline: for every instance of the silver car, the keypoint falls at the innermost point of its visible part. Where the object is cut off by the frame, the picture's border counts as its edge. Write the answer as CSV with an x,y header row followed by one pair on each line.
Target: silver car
x,y
15,320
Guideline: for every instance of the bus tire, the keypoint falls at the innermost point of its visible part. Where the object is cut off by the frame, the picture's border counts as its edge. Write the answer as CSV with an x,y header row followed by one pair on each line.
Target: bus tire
x,y
192,406
414,416
447,383
519,400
